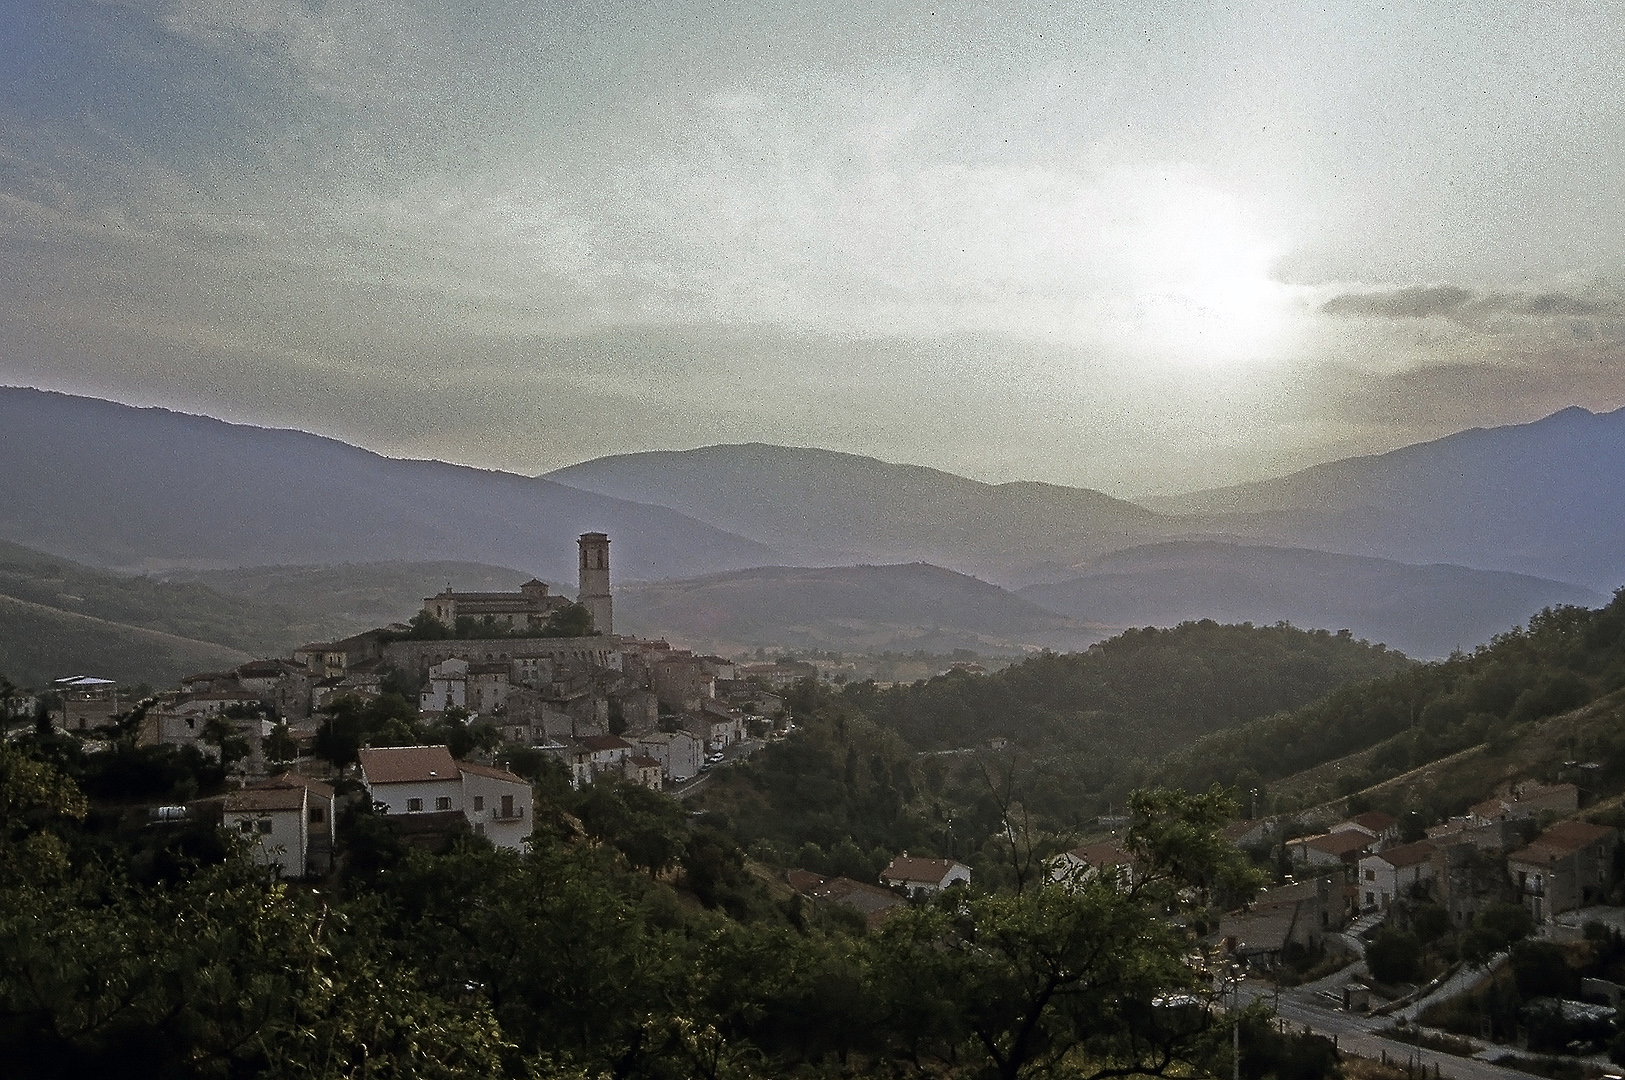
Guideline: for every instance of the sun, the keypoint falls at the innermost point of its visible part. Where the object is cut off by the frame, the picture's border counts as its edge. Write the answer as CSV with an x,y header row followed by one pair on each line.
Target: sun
x,y
1204,293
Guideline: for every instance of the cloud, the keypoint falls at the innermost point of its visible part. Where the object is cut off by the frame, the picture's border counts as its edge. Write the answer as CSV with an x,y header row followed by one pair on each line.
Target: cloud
x,y
1473,308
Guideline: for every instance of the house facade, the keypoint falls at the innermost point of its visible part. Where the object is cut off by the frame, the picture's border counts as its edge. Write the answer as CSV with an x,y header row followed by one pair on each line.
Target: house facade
x,y
1393,872
409,780
680,753
285,822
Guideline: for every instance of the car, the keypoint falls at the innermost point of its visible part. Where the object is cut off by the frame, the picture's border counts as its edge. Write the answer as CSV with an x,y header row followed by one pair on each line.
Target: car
x,y
714,758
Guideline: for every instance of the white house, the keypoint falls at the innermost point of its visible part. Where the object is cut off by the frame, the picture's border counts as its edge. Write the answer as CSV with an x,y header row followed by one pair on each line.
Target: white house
x,y
286,821
1390,873
1331,849
680,753
717,730
596,754
924,877
446,687
1083,863
426,779
497,803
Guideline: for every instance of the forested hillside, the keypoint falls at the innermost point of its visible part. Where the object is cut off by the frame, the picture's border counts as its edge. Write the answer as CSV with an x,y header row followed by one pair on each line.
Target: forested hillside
x,y
873,772
1141,694
1565,658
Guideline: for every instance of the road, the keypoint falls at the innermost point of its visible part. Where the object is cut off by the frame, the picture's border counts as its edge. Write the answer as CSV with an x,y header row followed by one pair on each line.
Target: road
x,y
1356,1034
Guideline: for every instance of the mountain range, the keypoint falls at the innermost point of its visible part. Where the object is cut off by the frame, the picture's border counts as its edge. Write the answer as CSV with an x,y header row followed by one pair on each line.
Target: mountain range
x,y
151,489
1427,548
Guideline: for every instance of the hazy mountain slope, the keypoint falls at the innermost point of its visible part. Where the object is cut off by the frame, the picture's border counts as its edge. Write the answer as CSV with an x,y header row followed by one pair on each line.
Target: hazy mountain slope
x,y
119,486
827,507
852,608
359,596
40,643
1546,498
1424,611
185,610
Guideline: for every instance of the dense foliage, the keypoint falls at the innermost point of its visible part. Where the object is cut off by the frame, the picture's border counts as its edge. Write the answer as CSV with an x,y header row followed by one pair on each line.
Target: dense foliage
x,y
1142,693
628,942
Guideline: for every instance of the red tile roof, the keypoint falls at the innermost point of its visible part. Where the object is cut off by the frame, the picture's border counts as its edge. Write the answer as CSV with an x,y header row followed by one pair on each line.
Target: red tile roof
x,y
407,764
907,868
1375,820
1408,854
1561,841
1339,843
491,771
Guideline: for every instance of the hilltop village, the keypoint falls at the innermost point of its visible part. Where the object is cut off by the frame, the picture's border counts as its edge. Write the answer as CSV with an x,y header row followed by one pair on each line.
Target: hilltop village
x,y
526,671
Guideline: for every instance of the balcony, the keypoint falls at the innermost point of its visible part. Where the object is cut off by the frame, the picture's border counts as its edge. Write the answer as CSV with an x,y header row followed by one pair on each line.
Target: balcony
x,y
517,813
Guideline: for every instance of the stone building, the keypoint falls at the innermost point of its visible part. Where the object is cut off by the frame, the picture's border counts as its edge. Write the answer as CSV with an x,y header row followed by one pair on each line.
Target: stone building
x,y
1568,866
527,609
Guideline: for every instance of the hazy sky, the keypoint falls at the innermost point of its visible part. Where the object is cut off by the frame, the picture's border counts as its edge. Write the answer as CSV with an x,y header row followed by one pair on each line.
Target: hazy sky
x,y
1137,247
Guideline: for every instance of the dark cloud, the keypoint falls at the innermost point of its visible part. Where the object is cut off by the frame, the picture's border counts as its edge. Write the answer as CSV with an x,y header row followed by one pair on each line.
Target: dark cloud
x,y
1469,307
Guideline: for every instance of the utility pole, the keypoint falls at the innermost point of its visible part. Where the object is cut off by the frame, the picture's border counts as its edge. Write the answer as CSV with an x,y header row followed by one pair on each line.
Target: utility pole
x,y
1236,975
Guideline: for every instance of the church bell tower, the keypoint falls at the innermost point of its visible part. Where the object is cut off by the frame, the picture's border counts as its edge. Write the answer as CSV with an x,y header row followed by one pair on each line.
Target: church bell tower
x,y
594,591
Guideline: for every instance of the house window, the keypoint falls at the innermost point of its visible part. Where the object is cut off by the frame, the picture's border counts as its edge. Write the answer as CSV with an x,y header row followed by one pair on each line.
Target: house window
x,y
479,828
246,826
507,806
443,803
479,803
317,815
1371,875
414,805
265,826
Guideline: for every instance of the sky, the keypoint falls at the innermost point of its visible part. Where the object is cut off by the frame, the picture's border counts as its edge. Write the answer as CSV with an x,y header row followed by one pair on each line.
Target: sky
x,y
1143,248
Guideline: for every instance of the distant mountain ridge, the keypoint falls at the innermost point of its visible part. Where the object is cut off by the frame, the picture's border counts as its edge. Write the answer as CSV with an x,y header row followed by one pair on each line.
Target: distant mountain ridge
x,y
898,608
1423,611
118,486
1545,498
824,507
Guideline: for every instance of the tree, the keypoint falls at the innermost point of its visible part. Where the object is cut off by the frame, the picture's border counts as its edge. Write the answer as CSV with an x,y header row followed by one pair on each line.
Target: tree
x,y
1085,975
224,734
280,747
350,723
35,798
572,620
1394,956
1050,976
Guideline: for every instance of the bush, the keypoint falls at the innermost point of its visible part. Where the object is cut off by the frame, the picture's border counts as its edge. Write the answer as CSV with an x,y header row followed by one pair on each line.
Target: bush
x,y
1394,957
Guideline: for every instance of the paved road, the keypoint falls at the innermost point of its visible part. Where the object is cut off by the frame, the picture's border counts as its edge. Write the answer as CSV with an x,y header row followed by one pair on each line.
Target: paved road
x,y
1357,1034
696,784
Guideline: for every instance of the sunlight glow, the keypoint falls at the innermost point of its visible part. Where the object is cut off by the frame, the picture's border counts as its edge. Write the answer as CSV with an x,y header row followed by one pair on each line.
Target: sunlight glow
x,y
1205,297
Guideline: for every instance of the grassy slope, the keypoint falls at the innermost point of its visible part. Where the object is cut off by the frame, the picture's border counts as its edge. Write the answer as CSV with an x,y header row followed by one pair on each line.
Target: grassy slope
x,y
351,597
181,609
40,643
